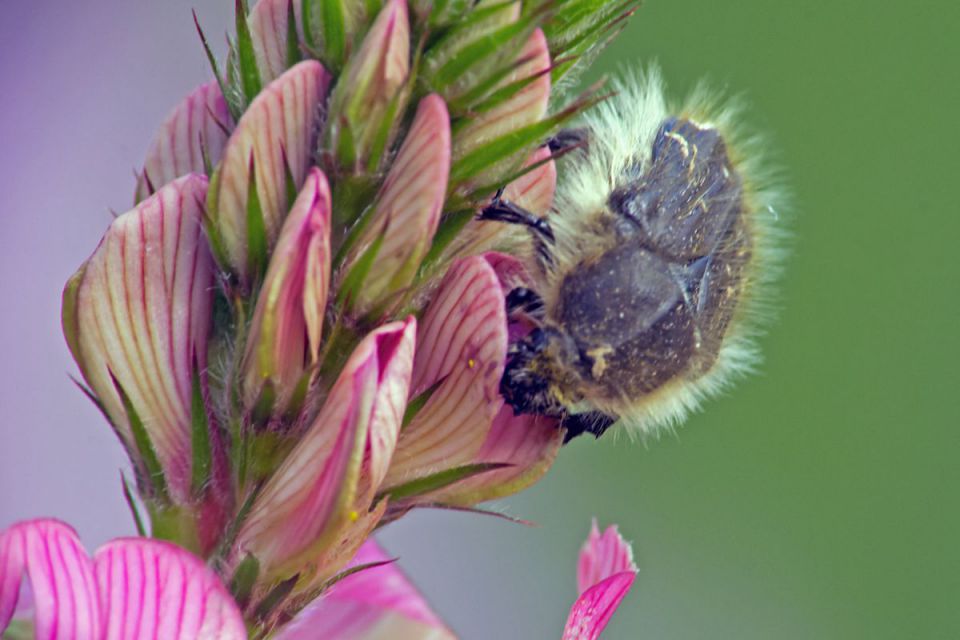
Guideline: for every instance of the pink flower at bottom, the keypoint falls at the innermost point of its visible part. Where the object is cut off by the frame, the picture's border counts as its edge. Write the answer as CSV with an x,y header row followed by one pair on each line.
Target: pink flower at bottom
x,y
134,588
380,602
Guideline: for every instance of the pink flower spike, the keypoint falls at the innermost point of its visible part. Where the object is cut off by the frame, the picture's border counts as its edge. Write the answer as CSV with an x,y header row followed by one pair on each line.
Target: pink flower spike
x,y
138,315
275,134
378,602
268,30
408,207
60,575
152,589
134,589
462,344
329,480
199,124
285,333
605,573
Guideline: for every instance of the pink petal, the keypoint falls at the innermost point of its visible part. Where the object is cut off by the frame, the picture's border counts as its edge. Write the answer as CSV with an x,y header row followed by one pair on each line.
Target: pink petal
x,y
602,556
268,30
315,490
605,572
462,341
195,126
141,310
378,602
534,190
278,127
285,333
60,576
524,108
409,204
152,589
593,610
528,444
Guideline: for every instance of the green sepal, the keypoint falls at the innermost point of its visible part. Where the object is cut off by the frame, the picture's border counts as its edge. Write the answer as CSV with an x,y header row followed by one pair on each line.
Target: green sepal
x,y
235,108
297,399
243,580
308,14
68,315
147,464
507,145
257,245
247,59
263,408
439,480
360,270
202,465
293,40
495,45
175,524
217,246
334,24
450,225
416,404
274,597
132,505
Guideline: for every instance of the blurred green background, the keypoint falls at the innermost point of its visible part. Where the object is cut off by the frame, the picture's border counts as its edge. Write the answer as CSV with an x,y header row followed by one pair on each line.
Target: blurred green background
x,y
820,499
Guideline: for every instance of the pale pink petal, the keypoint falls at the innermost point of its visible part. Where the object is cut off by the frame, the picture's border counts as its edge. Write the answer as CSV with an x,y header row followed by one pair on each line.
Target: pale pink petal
x,y
602,556
534,190
200,124
277,129
59,574
593,610
316,488
152,589
268,30
395,358
378,602
527,444
524,108
605,572
140,309
287,323
408,207
462,342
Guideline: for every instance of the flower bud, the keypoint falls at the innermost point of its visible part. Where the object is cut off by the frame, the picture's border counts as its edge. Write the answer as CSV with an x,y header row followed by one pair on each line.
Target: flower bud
x,y
284,339
407,209
371,91
136,317
272,144
192,135
319,500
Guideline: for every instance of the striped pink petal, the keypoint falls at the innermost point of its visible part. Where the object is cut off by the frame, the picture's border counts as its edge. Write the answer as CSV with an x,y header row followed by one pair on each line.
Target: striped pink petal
x,y
527,444
534,190
524,108
605,573
199,124
378,602
461,344
154,590
268,30
324,484
408,207
602,556
139,310
277,129
285,333
48,554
